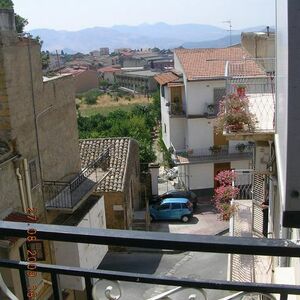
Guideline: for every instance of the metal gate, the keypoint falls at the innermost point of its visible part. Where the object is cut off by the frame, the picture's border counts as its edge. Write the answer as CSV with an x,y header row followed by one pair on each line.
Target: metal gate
x,y
259,197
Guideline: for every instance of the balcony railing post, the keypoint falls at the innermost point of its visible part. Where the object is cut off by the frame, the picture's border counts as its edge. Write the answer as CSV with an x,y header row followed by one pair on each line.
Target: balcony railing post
x,y
23,283
283,296
88,287
56,286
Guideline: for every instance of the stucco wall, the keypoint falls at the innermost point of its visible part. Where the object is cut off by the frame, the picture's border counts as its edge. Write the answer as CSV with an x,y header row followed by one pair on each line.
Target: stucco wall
x,y
240,164
58,130
109,76
9,189
86,80
51,104
199,94
114,210
165,117
178,132
82,255
132,181
201,176
200,133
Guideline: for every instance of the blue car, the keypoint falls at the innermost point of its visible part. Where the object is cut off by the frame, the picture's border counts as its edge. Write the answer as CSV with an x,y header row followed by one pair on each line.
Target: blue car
x,y
172,209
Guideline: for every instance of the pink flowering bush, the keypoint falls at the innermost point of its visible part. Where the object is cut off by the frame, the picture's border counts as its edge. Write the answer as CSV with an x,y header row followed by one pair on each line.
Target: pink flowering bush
x,y
225,177
234,114
225,193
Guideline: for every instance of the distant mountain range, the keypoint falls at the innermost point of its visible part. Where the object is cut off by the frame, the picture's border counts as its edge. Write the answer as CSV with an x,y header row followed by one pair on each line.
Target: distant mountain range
x,y
159,35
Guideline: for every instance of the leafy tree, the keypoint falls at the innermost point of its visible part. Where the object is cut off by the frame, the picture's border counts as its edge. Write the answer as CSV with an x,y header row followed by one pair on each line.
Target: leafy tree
x,y
91,96
20,23
120,123
45,57
6,4
104,83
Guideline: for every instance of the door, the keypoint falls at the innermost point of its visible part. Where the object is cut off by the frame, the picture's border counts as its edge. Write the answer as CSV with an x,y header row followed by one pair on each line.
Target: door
x,y
176,211
164,211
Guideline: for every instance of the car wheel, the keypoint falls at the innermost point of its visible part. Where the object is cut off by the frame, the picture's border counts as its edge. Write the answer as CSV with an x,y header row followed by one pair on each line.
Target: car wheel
x,y
185,219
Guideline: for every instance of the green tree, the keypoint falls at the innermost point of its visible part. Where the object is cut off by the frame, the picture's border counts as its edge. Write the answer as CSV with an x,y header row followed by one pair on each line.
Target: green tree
x,y
104,83
20,23
45,57
6,4
120,123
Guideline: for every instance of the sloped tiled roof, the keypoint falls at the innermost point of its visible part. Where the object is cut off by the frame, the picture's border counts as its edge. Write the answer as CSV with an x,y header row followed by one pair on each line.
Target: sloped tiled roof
x,y
164,78
91,149
19,217
216,62
108,70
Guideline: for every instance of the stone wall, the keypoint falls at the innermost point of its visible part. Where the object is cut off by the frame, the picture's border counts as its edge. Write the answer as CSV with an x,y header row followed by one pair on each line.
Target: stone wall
x,y
86,81
114,210
38,118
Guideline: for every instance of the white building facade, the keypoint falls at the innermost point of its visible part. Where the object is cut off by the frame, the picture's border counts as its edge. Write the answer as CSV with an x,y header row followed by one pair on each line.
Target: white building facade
x,y
190,98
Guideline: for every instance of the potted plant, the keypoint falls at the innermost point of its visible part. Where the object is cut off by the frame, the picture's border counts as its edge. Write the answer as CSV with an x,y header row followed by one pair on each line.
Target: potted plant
x,y
234,115
241,90
210,108
215,149
241,147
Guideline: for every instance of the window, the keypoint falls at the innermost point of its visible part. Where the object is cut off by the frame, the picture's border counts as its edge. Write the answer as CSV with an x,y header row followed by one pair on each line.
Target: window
x,y
33,174
164,206
36,247
162,91
176,205
165,128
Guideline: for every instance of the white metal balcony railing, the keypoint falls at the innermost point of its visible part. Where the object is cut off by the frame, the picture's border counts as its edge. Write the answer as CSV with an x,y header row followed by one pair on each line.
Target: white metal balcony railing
x,y
250,220
260,92
213,153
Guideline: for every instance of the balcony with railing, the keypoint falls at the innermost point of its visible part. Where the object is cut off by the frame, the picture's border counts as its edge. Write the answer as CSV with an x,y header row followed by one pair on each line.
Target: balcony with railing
x,y
250,220
176,109
252,112
95,279
212,154
67,196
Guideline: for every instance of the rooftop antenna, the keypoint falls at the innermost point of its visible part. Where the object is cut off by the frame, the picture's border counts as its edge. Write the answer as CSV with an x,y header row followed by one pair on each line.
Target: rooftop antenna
x,y
230,31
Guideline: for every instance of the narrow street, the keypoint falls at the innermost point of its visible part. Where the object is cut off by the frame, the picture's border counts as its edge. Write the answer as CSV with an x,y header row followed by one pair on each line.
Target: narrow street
x,y
188,264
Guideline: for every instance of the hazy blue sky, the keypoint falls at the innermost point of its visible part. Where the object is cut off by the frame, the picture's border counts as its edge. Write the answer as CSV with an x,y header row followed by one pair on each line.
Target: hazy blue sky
x,y
78,14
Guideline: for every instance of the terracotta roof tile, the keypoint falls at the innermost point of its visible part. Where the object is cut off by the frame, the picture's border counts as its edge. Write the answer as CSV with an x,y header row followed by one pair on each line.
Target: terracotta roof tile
x,y
164,78
118,151
19,217
213,63
109,70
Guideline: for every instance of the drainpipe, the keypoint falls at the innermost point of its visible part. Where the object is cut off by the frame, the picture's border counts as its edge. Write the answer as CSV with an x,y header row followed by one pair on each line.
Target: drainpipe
x,y
20,182
27,183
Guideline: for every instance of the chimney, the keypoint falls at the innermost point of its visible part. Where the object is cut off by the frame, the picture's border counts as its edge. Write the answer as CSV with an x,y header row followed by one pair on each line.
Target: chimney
x,y
7,20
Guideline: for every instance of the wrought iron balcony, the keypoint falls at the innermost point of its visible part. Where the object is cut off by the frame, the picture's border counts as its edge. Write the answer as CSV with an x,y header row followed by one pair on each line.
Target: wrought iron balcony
x,y
67,196
151,240
176,109
211,154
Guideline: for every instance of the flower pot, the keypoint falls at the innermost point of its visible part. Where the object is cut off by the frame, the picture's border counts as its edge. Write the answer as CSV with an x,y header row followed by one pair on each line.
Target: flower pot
x,y
241,91
235,127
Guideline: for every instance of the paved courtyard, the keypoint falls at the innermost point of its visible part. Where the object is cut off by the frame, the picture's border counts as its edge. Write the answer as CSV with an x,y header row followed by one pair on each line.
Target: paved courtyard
x,y
205,221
